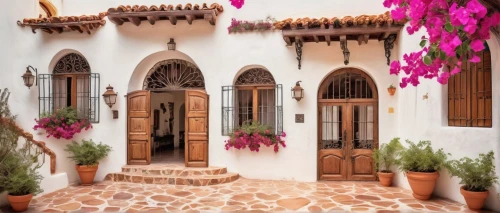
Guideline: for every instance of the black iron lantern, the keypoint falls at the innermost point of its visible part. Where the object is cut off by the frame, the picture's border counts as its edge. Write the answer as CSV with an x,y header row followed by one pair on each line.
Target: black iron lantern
x,y
28,77
110,96
171,44
297,91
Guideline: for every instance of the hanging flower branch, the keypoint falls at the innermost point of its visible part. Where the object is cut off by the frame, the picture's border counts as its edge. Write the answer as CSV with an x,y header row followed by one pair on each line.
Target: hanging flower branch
x,y
253,136
63,123
259,25
237,3
455,33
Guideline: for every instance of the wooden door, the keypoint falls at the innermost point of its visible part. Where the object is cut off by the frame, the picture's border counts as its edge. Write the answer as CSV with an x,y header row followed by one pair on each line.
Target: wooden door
x,y
138,128
332,125
362,134
196,131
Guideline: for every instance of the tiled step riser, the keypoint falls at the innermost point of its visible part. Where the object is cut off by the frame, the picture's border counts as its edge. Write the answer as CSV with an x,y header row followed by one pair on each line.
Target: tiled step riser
x,y
176,172
171,180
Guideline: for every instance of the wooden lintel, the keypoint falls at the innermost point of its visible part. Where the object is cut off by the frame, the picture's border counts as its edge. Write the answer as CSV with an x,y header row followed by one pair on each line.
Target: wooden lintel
x,y
152,19
117,21
189,19
287,41
383,36
210,18
134,20
328,40
342,31
173,20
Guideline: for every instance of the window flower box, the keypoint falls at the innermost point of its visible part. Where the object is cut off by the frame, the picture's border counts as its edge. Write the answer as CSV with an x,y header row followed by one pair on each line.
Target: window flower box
x,y
253,136
63,123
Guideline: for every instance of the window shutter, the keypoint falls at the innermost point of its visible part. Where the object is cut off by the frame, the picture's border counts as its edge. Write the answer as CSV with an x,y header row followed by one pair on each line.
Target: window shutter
x,y
228,109
45,94
94,99
279,108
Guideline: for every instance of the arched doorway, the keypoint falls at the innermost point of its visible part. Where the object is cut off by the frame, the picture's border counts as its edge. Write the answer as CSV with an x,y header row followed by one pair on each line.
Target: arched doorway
x,y
175,77
347,126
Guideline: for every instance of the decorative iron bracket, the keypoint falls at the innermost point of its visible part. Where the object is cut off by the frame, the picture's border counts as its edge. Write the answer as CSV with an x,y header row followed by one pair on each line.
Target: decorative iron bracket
x,y
298,49
345,51
388,45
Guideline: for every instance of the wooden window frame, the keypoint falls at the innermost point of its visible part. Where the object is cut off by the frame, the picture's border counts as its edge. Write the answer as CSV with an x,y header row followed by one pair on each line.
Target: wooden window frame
x,y
255,97
74,83
470,100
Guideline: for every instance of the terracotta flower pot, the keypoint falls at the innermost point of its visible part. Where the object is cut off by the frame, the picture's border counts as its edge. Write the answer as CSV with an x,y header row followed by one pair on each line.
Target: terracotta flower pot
x,y
422,183
385,178
19,203
87,173
391,90
474,200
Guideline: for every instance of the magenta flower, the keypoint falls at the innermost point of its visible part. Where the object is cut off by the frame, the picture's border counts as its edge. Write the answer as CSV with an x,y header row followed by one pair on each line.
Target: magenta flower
x,y
253,136
237,3
477,45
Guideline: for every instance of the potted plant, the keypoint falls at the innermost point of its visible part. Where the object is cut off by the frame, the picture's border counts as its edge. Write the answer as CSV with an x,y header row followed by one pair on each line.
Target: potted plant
x,y
63,123
384,158
391,90
86,155
421,166
477,176
253,136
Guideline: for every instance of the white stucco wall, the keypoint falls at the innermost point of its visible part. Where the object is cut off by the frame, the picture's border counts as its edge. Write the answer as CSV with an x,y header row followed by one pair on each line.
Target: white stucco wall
x,y
420,119
124,54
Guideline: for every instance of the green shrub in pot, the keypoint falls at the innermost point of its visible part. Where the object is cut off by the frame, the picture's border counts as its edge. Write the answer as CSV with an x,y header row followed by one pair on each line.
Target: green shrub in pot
x,y
477,176
87,155
384,158
422,164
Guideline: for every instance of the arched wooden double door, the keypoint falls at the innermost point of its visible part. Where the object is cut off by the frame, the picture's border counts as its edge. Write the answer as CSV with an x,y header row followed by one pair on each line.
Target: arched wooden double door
x,y
347,126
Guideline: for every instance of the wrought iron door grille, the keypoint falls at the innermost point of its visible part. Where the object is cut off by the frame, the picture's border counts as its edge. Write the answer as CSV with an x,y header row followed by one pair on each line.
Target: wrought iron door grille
x,y
174,74
347,85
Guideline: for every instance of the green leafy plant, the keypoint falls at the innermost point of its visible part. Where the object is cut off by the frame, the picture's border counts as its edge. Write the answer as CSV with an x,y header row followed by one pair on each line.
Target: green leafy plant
x,y
476,175
18,161
421,158
87,153
386,155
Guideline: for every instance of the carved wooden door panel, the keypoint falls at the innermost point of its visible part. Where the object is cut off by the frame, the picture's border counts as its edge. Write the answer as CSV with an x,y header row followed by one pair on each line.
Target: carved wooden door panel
x,y
332,164
138,128
196,153
362,137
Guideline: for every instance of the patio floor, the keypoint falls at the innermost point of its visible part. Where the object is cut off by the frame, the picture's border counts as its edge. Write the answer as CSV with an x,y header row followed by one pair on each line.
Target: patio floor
x,y
241,195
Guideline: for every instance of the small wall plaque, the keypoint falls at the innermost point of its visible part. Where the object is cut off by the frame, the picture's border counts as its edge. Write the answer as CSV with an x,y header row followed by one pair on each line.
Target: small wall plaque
x,y
115,114
391,110
299,118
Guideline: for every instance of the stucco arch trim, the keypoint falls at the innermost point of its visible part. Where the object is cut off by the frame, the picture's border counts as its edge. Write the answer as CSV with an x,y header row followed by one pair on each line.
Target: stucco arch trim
x,y
371,81
59,55
264,76
142,69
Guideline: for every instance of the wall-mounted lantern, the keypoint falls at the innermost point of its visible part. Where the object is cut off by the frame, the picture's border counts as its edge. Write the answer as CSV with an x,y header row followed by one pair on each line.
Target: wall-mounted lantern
x,y
297,91
110,96
171,44
28,76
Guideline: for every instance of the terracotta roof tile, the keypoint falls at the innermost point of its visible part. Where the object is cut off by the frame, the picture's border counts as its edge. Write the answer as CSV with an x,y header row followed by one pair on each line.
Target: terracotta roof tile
x,y
346,21
136,8
64,19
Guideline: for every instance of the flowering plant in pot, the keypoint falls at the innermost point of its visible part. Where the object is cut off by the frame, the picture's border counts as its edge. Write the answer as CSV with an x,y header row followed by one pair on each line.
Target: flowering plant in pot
x,y
86,155
384,158
477,176
421,165
253,136
63,123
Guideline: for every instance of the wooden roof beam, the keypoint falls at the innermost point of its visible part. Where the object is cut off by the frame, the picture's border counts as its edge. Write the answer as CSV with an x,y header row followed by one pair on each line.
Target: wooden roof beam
x,y
134,20
327,39
287,41
189,19
210,18
117,21
342,31
152,19
173,20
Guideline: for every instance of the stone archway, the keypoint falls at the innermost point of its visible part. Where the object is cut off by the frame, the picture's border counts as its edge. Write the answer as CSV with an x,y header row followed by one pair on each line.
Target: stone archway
x,y
347,125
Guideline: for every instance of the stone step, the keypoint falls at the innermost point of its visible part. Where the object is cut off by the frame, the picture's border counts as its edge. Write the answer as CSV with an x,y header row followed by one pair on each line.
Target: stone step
x,y
195,180
173,170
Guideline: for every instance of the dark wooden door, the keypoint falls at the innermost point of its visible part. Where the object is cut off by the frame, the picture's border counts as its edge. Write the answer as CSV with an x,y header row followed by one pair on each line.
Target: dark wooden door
x,y
347,126
138,128
196,131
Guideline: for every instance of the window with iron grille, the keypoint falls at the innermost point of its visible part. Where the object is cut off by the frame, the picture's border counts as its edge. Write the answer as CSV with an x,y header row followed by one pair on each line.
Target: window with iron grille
x,y
254,97
469,94
71,85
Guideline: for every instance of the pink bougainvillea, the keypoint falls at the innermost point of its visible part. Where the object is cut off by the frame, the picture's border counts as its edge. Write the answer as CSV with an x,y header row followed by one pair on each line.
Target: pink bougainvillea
x,y
454,33
259,25
253,136
237,3
63,123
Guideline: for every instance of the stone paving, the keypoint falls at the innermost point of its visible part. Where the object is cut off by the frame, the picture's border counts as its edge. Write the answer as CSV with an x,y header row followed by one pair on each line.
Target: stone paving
x,y
241,195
